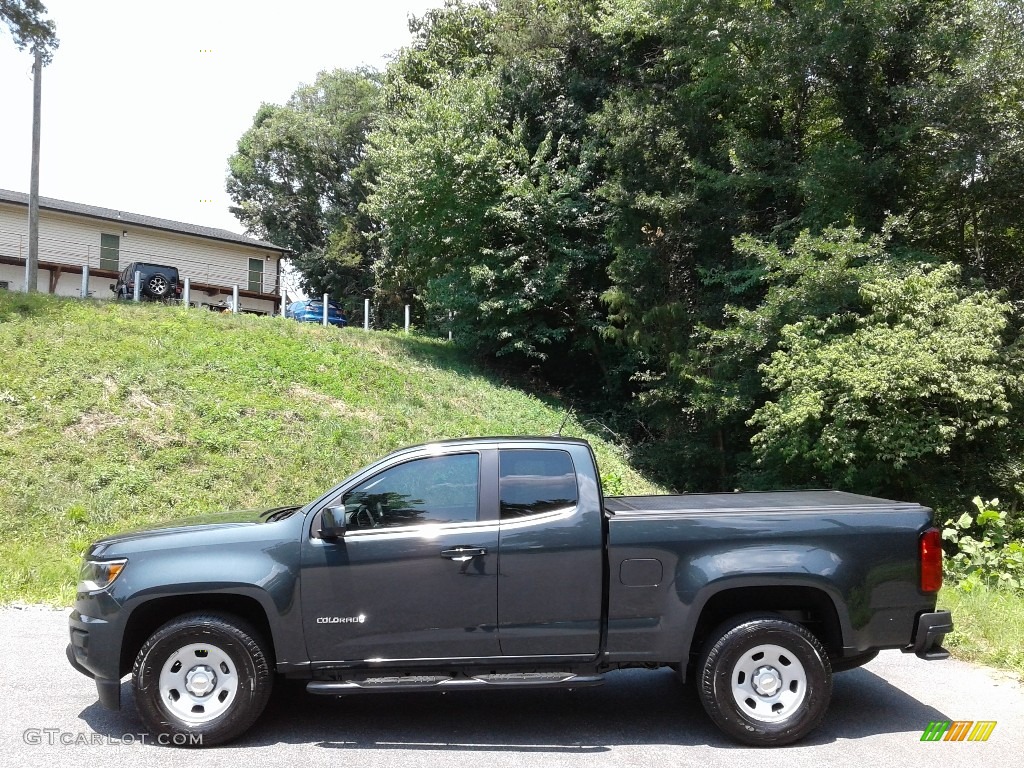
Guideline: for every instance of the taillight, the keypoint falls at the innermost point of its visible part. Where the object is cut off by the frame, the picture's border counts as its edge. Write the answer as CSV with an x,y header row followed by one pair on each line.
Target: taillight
x,y
931,560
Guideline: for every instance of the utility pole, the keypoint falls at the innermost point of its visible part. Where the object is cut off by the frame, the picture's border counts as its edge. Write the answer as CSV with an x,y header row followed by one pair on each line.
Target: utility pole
x,y
32,260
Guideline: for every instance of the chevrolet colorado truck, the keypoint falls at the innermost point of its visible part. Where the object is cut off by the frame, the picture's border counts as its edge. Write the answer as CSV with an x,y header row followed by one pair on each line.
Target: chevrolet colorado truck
x,y
497,563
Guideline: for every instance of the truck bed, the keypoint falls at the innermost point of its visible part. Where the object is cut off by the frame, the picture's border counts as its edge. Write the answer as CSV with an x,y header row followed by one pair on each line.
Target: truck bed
x,y
670,555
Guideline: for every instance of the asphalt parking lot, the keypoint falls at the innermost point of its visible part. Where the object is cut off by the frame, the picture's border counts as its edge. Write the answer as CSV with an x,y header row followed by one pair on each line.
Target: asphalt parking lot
x,y
639,718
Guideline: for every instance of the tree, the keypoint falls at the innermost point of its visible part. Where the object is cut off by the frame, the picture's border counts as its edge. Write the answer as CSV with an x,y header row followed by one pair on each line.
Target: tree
x,y
295,179
739,117
885,378
484,184
967,207
29,29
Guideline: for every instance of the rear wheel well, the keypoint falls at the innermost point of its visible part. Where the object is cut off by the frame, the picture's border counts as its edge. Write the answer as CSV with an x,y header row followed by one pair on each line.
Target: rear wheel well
x,y
807,606
152,615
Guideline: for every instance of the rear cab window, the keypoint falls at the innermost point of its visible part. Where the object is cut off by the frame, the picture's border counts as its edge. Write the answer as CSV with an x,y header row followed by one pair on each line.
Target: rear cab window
x,y
535,481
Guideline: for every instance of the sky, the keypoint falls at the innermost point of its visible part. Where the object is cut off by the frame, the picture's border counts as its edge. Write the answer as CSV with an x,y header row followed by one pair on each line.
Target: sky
x,y
145,101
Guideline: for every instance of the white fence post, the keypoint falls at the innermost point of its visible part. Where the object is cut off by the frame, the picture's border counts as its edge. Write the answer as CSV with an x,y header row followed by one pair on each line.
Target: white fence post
x,y
449,325
366,314
137,295
326,299
234,299
85,281
186,297
21,251
406,318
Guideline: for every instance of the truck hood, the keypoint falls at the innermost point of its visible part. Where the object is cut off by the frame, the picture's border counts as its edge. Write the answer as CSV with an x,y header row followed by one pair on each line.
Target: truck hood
x,y
209,522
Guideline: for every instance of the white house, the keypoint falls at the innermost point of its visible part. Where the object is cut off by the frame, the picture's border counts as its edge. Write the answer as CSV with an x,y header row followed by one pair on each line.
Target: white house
x,y
72,235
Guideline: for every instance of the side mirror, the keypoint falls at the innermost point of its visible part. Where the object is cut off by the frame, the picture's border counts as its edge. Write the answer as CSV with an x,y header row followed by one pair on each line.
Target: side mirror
x,y
332,523
113,287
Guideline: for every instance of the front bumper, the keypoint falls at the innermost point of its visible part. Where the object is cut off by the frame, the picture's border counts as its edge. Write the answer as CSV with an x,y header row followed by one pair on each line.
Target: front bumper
x,y
70,651
929,632
95,651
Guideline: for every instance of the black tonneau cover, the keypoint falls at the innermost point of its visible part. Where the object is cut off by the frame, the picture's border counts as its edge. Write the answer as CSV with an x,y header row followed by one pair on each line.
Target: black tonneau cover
x,y
767,501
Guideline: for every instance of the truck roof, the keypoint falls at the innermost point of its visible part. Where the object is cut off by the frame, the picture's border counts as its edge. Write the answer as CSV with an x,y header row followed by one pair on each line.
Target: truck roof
x,y
496,439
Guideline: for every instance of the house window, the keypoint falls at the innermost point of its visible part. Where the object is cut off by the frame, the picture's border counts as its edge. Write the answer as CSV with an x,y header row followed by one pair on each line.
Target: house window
x,y
110,252
5,285
256,275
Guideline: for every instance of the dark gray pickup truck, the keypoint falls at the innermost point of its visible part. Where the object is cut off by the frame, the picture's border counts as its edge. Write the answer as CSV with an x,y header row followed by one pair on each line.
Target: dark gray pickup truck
x,y
497,563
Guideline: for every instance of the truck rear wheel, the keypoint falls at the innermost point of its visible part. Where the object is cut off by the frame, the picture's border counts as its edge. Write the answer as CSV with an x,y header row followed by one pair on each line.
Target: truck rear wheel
x,y
201,679
764,680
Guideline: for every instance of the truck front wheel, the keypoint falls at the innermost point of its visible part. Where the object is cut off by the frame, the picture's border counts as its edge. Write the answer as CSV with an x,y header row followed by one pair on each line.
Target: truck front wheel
x,y
764,680
201,679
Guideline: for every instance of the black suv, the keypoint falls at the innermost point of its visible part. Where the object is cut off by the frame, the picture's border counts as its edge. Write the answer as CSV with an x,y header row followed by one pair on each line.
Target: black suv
x,y
158,282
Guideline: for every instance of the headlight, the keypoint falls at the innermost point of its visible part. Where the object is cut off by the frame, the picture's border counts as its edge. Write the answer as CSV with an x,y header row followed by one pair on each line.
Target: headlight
x,y
99,574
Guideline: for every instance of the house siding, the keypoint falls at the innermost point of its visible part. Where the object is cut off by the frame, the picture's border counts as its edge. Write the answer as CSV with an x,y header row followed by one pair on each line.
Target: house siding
x,y
75,240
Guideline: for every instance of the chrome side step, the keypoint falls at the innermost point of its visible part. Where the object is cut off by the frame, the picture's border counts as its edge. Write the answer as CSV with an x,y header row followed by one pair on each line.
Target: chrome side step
x,y
448,683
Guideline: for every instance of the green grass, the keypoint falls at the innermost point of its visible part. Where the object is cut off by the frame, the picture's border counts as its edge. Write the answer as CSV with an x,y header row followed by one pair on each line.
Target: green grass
x,y
989,627
116,415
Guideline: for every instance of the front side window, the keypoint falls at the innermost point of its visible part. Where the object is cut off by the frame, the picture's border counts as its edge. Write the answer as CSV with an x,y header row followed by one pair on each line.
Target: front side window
x,y
439,489
536,481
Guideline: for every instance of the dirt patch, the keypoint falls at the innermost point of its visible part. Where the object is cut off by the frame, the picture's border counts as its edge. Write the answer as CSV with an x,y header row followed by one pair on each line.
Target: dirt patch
x,y
141,402
91,424
146,418
311,395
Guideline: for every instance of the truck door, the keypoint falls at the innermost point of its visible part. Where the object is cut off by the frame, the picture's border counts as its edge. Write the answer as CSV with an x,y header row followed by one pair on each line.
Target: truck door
x,y
415,576
550,589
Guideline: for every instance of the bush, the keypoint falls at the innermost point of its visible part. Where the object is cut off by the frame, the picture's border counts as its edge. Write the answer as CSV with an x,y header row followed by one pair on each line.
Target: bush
x,y
985,550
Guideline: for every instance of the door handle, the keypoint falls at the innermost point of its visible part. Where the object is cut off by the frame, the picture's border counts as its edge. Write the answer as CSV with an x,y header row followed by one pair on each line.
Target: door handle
x,y
462,554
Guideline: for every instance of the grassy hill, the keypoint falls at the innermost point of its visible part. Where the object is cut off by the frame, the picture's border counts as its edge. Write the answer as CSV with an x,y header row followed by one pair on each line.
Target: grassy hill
x,y
113,416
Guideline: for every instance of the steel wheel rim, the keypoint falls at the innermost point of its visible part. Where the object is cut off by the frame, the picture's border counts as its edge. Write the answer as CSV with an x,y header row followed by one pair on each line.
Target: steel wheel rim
x,y
768,683
198,683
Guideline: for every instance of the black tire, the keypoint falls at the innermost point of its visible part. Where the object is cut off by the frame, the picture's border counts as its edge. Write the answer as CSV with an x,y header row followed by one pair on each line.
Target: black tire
x,y
846,663
224,660
770,651
157,285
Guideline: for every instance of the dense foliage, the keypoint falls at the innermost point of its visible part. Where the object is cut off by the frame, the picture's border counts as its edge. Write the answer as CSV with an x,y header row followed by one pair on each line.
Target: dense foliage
x,y
770,241
989,553
484,187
